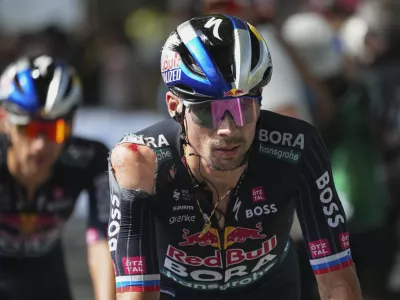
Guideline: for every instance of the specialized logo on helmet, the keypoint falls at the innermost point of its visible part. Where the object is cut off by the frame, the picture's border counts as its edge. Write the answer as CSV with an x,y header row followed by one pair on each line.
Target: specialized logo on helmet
x,y
234,93
213,22
42,63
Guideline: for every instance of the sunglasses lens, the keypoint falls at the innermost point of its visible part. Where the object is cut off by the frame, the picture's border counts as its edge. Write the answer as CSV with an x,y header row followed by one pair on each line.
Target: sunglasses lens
x,y
210,114
57,131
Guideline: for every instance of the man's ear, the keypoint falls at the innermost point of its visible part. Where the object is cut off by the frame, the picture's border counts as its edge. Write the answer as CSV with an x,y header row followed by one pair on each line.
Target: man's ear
x,y
4,126
174,104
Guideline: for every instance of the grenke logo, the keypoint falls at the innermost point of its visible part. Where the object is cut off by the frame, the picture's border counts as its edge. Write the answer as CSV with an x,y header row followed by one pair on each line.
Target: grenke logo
x,y
280,143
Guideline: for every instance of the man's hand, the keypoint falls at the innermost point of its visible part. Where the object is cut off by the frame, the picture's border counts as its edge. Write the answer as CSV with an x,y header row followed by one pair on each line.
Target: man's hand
x,y
339,285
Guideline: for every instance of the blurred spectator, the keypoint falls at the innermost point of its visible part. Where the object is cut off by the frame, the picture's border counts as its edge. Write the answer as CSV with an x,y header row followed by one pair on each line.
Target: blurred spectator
x,y
284,94
312,38
7,45
335,11
353,145
240,8
88,64
382,75
51,40
118,84
352,36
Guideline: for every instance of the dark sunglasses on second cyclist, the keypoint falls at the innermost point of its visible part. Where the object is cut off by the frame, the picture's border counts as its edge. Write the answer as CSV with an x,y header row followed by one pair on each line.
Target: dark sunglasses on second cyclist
x,y
56,130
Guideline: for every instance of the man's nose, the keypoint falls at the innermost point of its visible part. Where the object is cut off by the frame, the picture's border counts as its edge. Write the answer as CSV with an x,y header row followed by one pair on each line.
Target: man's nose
x,y
227,127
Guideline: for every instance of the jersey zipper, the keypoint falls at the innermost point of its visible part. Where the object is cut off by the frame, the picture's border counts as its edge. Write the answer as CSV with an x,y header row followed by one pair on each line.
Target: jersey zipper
x,y
221,233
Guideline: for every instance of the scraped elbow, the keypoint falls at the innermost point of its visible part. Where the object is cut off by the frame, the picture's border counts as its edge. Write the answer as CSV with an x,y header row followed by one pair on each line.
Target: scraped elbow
x,y
134,167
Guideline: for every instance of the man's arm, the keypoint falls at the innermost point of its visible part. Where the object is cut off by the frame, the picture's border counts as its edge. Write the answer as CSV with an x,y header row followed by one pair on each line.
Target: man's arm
x,y
342,284
324,226
131,227
98,255
101,271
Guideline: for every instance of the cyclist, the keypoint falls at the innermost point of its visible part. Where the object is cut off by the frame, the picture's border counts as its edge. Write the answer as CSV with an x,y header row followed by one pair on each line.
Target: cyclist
x,y
202,204
43,169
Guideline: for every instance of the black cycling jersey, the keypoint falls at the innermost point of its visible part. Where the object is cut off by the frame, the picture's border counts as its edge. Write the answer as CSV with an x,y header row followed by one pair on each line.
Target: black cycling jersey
x,y
30,231
157,241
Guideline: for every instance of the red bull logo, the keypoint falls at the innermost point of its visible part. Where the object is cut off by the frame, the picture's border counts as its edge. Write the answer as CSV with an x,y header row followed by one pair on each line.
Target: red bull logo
x,y
232,256
29,223
240,235
234,93
170,70
232,235
170,61
210,238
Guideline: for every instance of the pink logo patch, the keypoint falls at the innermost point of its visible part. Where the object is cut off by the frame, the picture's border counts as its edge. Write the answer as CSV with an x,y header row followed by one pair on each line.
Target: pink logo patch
x,y
134,265
344,240
257,194
92,236
319,248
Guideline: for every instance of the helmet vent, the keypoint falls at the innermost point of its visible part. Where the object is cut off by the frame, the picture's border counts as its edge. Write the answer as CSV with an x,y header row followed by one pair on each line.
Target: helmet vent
x,y
255,46
68,88
18,84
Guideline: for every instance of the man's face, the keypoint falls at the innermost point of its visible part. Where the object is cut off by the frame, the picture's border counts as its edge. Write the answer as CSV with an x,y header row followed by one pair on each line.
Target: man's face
x,y
35,153
224,148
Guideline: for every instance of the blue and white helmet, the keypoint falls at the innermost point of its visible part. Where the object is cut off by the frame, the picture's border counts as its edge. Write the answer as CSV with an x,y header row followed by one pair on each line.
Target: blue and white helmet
x,y
215,57
40,87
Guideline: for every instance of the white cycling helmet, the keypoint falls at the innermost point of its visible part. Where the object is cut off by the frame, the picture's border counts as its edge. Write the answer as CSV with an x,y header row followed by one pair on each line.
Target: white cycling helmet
x,y
40,88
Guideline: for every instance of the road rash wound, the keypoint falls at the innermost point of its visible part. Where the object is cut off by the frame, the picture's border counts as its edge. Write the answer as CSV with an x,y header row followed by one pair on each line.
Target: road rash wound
x,y
133,147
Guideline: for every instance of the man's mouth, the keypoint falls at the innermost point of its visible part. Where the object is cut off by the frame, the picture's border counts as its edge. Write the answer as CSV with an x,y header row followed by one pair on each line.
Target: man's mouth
x,y
229,148
227,151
